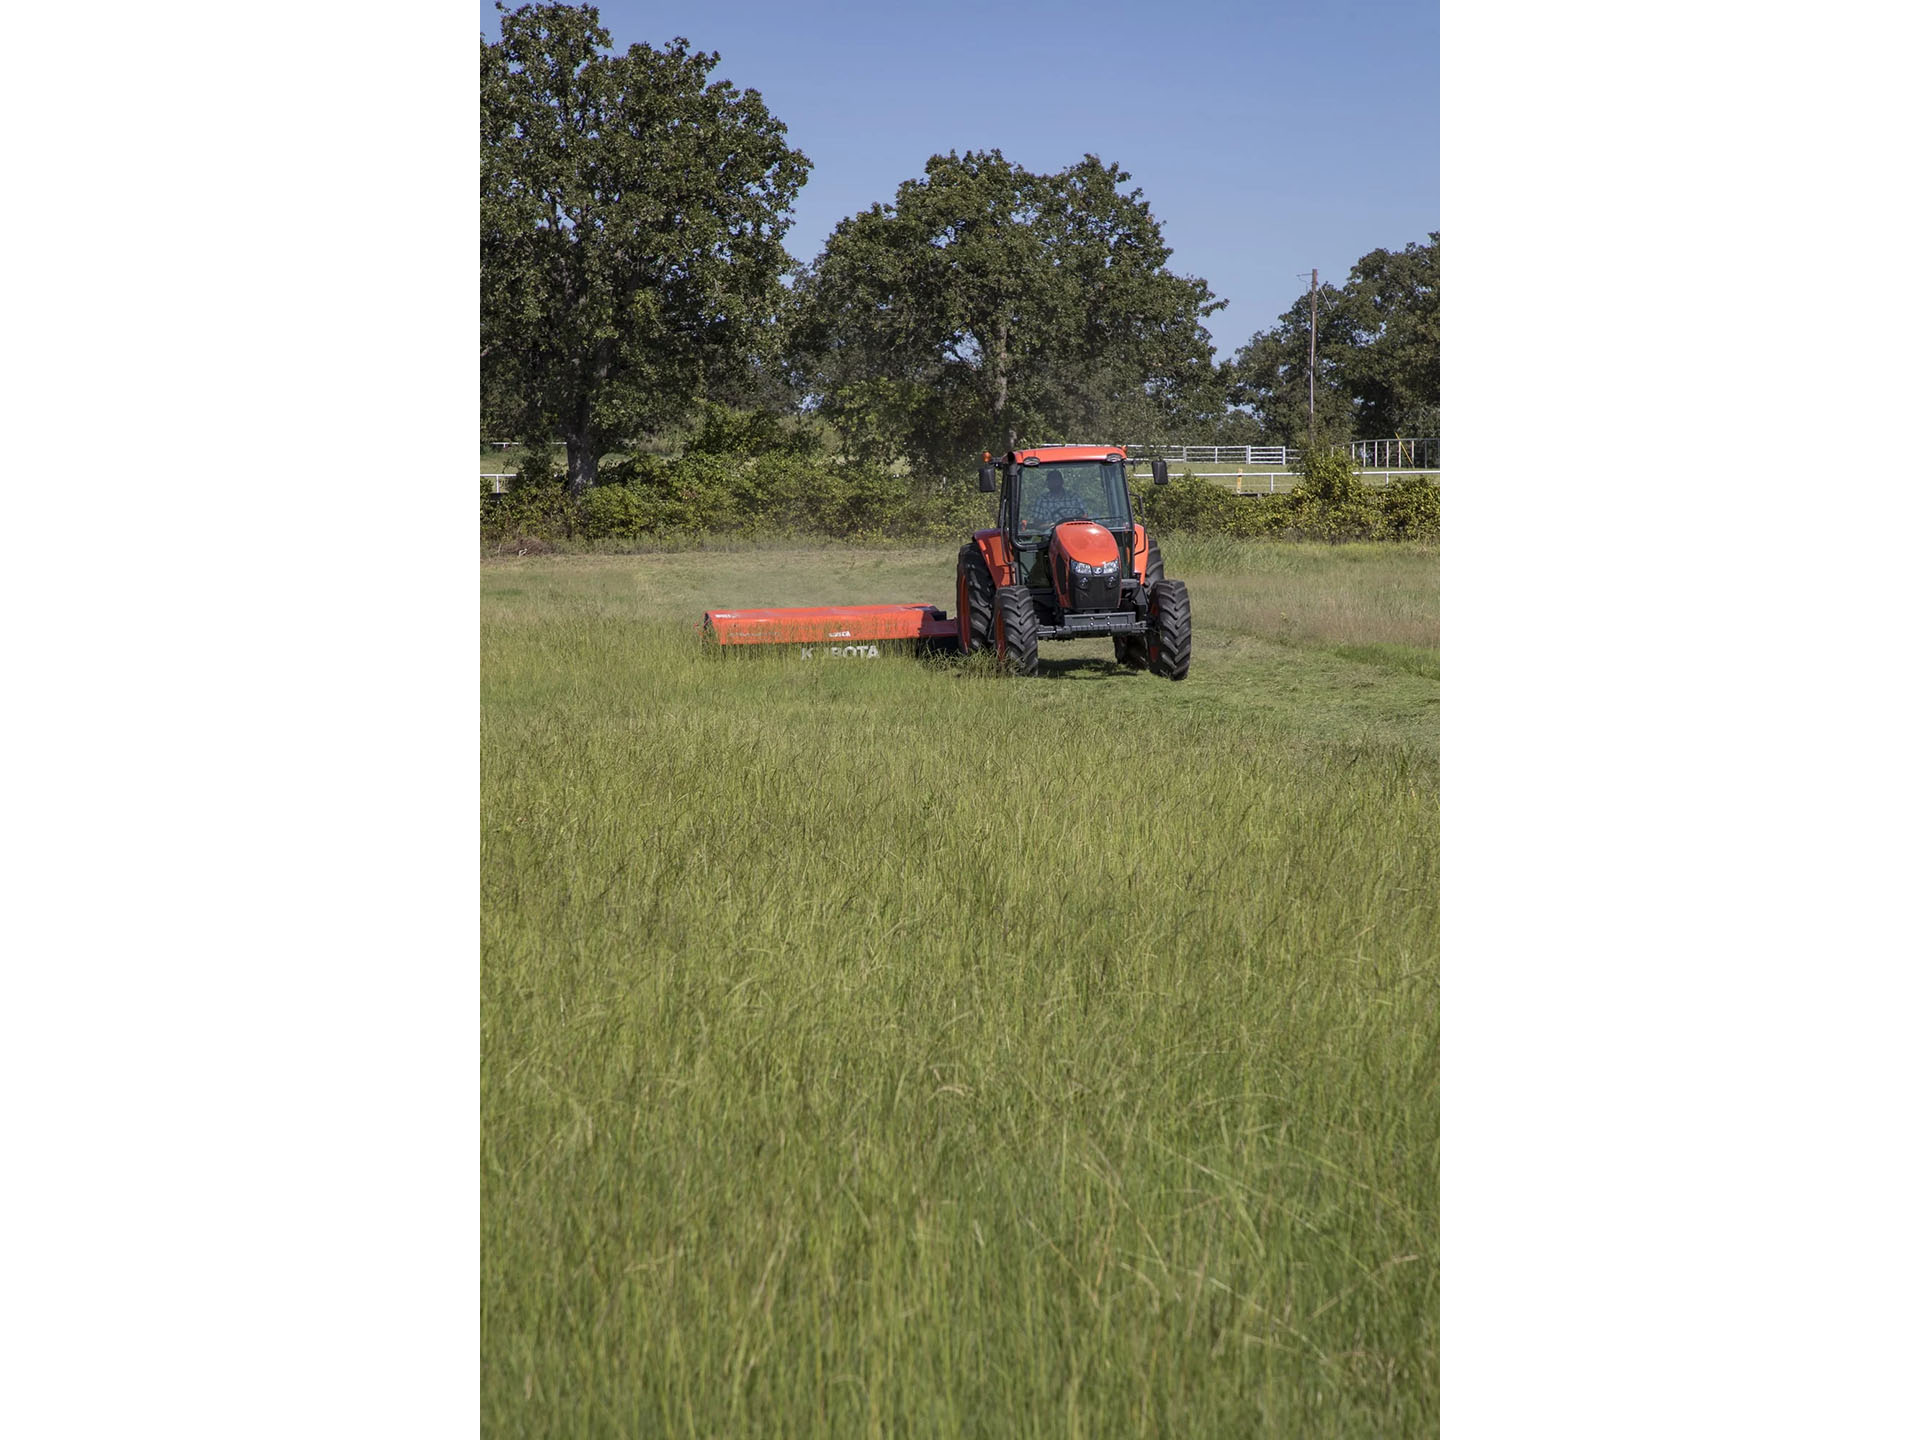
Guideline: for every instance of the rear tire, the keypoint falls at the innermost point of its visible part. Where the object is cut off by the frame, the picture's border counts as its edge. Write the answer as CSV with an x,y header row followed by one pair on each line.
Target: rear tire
x,y
1170,632
973,599
1016,629
1156,572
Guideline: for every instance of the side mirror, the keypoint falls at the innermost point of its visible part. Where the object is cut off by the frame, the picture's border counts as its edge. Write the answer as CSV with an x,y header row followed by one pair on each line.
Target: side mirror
x,y
1159,472
986,479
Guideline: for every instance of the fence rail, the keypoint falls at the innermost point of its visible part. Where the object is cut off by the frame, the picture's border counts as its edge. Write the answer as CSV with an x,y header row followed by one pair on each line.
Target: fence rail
x,y
1215,454
1278,482
1396,454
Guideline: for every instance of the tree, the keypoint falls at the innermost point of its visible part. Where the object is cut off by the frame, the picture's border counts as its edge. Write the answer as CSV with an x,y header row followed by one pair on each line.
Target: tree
x,y
1390,363
1378,354
631,217
1270,376
988,301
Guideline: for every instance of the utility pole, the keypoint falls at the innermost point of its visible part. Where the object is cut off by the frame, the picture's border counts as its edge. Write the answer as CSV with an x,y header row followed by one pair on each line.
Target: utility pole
x,y
1313,349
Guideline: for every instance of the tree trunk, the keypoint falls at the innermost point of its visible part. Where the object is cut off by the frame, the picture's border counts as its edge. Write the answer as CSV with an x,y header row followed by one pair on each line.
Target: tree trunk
x,y
583,464
583,443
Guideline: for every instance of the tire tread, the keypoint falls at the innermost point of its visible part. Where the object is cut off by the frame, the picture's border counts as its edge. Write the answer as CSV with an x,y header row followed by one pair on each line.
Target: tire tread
x,y
973,597
1170,641
1018,640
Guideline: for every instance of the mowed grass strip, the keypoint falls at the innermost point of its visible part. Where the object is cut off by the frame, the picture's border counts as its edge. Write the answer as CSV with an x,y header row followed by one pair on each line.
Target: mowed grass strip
x,y
890,1047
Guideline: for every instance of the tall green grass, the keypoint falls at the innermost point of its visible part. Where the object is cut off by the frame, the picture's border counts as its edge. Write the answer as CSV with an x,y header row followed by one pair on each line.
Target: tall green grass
x,y
889,1047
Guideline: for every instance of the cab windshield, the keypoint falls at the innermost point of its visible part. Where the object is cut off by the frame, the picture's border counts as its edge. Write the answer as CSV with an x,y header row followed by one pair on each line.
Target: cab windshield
x,y
1072,490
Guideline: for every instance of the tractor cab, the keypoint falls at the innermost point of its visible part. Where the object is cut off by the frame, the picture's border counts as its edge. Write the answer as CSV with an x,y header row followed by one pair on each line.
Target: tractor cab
x,y
1045,488
1054,503
1045,493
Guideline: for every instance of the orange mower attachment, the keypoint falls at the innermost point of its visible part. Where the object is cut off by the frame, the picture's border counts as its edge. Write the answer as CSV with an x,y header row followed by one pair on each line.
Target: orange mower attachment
x,y
830,624
1067,560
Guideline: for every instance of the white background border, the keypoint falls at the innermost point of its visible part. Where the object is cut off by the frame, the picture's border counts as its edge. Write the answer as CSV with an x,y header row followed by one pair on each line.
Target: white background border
x,y
1677,975
239,1035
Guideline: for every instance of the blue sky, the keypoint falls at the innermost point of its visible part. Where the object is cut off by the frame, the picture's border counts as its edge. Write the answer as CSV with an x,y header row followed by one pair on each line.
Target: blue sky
x,y
1269,138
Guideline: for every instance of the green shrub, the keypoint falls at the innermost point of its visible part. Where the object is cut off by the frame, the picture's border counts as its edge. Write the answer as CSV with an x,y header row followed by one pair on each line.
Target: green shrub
x,y
950,510
1330,500
724,431
618,512
1330,479
647,499
1411,508
535,505
867,501
776,494
1191,504
633,470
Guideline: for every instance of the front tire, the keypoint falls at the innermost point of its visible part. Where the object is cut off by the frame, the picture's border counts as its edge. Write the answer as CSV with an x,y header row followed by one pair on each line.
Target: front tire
x,y
1016,629
973,599
1131,650
1170,632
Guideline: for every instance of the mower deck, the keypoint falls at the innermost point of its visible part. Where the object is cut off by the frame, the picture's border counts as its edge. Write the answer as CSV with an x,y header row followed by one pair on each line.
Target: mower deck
x,y
824,624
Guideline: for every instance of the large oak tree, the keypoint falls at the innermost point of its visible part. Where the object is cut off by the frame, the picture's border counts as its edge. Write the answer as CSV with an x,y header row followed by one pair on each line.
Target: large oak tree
x,y
988,301
631,217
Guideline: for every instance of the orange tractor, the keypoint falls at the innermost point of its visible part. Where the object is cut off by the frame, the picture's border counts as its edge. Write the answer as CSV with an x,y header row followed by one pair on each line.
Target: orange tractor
x,y
1067,561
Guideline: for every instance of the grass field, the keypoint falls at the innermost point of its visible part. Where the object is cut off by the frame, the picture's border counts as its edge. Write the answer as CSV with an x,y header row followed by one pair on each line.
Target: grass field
x,y
887,1047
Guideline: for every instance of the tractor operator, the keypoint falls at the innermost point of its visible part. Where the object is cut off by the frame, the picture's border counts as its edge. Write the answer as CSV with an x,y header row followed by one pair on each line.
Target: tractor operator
x,y
1056,504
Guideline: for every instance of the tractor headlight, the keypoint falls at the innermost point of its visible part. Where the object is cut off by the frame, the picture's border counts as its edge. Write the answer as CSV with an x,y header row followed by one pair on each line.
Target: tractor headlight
x,y
1080,567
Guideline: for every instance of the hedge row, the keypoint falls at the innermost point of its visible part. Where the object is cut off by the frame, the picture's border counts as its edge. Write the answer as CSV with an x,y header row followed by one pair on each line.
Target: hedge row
x,y
1329,502
649,500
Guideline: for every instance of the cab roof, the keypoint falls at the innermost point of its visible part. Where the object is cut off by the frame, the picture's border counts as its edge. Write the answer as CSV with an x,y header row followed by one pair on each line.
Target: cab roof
x,y
1045,454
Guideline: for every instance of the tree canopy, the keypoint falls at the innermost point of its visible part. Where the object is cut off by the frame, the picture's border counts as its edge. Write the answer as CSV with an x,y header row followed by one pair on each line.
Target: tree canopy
x,y
988,301
631,219
1378,354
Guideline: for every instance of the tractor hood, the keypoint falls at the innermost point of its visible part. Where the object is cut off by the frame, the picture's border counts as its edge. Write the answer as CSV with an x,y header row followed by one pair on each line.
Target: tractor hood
x,y
1085,561
1085,541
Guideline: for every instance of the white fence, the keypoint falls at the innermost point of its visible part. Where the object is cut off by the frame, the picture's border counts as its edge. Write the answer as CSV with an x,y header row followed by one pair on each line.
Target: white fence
x,y
1278,482
1396,454
1214,454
